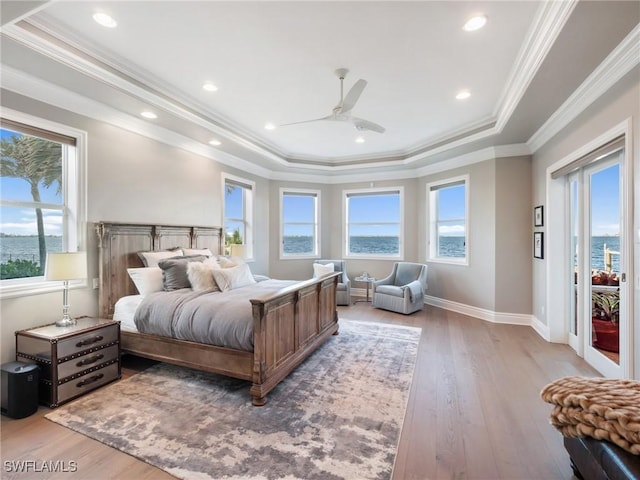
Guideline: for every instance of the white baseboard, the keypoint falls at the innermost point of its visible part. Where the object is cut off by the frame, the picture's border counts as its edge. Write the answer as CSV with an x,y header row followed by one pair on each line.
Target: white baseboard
x,y
489,315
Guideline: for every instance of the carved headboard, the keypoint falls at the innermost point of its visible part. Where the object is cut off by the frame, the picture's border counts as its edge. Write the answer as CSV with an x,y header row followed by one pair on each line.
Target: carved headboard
x,y
119,244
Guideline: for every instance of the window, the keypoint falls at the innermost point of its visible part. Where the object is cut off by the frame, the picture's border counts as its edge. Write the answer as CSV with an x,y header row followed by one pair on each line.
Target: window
x,y
40,200
238,213
374,223
448,207
299,235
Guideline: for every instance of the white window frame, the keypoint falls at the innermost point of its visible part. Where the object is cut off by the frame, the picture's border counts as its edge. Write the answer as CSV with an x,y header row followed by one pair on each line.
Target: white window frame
x,y
432,220
74,208
249,192
345,222
316,222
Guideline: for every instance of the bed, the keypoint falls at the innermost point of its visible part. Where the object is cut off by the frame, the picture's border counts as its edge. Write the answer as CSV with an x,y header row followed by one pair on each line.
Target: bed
x,y
288,324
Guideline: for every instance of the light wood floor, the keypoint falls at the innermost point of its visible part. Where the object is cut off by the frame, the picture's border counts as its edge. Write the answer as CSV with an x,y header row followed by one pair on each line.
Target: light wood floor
x,y
474,410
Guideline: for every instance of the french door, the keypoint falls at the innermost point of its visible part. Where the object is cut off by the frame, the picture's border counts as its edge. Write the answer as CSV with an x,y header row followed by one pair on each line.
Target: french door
x,y
598,322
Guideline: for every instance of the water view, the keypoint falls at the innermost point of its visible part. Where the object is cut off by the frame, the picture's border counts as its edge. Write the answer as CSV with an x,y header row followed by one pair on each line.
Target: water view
x,y
17,247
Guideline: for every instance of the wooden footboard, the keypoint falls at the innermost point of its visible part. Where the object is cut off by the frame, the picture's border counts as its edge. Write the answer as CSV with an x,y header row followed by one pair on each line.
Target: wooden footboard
x,y
287,327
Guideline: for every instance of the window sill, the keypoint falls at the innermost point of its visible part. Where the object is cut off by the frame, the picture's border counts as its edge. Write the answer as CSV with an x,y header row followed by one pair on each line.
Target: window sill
x,y
37,288
450,261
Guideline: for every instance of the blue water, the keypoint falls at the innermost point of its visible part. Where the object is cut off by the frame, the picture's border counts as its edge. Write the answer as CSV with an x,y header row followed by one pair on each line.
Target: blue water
x,y
26,247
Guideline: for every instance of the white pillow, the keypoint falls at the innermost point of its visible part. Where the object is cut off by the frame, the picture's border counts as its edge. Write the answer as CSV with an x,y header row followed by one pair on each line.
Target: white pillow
x,y
147,279
200,277
197,251
233,277
320,269
151,259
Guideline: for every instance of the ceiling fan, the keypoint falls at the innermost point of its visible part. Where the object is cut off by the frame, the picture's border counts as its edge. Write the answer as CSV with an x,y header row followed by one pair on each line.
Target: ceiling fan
x,y
342,111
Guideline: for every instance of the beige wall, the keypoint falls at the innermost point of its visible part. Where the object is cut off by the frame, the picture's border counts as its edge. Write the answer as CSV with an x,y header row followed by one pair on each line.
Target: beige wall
x,y
514,220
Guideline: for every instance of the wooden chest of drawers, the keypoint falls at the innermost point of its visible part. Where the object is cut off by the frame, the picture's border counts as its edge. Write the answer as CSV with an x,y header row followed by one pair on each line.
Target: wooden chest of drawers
x,y
73,360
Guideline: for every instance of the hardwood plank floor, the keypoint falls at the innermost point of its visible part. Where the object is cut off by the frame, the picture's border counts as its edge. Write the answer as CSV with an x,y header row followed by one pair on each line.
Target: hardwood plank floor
x,y
474,410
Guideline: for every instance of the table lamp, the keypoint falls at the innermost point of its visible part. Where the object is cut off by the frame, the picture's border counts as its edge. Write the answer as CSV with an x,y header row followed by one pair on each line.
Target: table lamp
x,y
66,266
238,251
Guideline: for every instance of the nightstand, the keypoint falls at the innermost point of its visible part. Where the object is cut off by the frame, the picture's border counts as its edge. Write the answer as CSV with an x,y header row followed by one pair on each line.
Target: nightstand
x,y
73,360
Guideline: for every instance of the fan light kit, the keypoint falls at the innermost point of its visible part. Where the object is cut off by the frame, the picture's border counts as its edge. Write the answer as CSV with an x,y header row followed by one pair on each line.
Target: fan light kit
x,y
463,94
342,111
209,87
148,114
215,142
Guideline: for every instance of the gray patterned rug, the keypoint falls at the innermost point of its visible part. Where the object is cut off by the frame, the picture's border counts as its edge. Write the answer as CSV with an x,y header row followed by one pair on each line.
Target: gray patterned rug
x,y
337,416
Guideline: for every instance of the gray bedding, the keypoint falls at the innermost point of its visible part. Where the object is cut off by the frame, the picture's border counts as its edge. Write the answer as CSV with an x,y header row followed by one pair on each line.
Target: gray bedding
x,y
223,319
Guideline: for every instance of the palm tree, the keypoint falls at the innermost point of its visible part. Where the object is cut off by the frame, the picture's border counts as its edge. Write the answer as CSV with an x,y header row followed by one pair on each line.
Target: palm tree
x,y
37,161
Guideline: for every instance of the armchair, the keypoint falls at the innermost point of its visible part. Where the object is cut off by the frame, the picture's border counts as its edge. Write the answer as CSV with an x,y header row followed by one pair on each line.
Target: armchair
x,y
403,290
344,284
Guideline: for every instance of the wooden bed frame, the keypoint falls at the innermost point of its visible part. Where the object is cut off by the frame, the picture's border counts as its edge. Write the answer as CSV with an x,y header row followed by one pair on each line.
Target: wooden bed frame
x,y
288,325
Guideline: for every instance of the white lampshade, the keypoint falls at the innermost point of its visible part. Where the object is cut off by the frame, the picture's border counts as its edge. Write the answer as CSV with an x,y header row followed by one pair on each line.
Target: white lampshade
x,y
66,266
238,251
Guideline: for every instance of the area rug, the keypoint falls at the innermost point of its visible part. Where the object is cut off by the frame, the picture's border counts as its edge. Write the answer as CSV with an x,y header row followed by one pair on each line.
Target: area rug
x,y
337,416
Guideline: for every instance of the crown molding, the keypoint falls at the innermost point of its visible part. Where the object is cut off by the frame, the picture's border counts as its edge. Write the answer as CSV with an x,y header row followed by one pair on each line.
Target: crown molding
x,y
43,35
618,63
41,90
549,22
41,39
24,84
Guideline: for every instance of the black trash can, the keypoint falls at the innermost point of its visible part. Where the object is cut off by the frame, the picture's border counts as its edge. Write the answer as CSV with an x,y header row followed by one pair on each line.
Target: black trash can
x,y
19,389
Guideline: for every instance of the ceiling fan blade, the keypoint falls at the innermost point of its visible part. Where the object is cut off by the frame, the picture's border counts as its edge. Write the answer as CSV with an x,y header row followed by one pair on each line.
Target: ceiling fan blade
x,y
328,117
362,124
352,97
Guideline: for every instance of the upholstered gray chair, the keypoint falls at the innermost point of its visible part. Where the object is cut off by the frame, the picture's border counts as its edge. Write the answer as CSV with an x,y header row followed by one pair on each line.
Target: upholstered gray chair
x,y
403,290
344,284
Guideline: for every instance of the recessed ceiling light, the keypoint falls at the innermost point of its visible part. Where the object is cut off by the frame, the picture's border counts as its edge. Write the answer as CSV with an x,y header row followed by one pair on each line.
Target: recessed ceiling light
x,y
215,142
269,126
105,20
359,140
148,114
475,23
463,94
209,87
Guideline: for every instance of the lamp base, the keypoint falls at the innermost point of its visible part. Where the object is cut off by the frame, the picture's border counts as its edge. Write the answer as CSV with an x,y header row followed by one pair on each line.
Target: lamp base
x,y
66,322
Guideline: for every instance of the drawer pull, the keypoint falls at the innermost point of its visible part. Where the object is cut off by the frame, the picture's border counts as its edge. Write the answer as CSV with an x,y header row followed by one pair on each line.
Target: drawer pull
x,y
89,341
89,380
90,360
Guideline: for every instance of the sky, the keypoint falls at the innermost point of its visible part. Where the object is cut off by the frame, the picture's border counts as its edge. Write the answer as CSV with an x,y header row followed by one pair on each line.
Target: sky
x,y
379,208
22,220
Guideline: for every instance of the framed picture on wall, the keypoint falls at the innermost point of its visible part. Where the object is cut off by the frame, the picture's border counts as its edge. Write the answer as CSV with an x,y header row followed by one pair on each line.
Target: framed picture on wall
x,y
538,244
538,216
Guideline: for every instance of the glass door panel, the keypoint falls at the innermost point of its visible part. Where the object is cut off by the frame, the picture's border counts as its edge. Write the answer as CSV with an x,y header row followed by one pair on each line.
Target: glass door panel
x,y
574,259
602,239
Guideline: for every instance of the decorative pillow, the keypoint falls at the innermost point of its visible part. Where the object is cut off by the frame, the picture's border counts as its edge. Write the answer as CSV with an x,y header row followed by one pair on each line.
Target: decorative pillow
x,y
174,271
147,279
233,277
226,263
151,259
200,275
197,251
212,262
320,269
